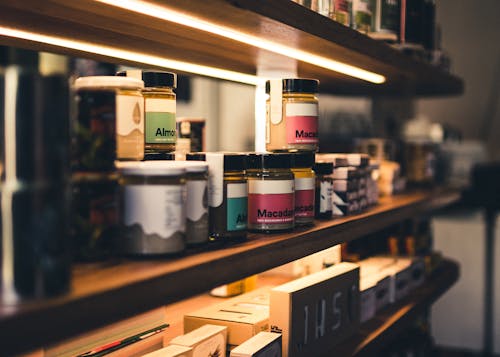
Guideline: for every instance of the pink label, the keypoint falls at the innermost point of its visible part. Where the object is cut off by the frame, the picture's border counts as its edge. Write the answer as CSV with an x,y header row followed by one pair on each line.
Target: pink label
x,y
270,208
302,129
304,203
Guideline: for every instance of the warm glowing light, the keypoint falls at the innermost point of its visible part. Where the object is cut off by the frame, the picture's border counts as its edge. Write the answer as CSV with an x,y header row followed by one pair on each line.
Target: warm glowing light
x,y
161,12
131,56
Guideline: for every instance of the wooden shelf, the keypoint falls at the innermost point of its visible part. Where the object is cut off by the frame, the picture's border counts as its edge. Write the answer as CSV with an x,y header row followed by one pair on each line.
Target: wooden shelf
x,y
280,21
107,292
378,332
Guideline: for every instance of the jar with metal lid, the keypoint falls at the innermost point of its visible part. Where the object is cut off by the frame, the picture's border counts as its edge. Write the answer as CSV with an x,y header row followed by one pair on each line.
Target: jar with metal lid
x,y
160,107
271,200
152,208
302,163
196,202
227,195
109,124
292,114
324,190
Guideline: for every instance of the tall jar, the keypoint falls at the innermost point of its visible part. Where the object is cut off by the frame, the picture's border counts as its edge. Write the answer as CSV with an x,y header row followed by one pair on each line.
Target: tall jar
x,y
152,208
324,190
271,200
292,114
110,122
302,163
160,107
227,195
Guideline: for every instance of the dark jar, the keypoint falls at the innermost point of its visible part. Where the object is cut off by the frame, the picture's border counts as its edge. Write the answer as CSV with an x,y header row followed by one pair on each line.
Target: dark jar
x,y
227,195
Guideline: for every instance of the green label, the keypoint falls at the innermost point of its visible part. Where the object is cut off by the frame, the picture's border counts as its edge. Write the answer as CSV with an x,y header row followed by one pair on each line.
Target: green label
x,y
237,214
160,128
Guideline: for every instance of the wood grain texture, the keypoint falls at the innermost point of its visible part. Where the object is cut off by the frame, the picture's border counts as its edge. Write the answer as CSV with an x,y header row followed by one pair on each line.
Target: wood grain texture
x,y
106,292
279,21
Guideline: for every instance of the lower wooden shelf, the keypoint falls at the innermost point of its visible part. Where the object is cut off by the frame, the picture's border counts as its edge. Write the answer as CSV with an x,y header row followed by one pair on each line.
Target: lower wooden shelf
x,y
114,290
390,322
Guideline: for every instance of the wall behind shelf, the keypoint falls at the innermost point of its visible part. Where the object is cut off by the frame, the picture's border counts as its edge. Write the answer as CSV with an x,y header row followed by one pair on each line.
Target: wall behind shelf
x,y
470,35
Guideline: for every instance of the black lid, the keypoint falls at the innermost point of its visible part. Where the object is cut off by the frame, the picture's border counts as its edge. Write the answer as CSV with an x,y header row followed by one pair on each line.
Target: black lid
x,y
195,156
269,161
159,79
297,85
18,56
232,161
155,78
159,156
323,168
303,159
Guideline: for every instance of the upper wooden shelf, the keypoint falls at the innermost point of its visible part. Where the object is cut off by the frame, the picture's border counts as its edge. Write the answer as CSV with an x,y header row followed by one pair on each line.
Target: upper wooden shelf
x,y
279,21
110,291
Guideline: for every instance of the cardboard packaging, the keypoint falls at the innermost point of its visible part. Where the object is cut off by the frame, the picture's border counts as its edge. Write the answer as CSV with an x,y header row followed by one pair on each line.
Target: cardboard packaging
x,y
317,311
206,341
172,351
244,316
264,344
368,298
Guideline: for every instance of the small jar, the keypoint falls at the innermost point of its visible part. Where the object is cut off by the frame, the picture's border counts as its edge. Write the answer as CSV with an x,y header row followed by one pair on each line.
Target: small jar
x,y
227,195
110,122
159,109
270,192
292,114
152,208
324,190
302,163
196,202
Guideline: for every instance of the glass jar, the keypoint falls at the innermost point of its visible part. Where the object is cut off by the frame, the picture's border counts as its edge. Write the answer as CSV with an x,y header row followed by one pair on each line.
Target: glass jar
x,y
152,208
159,109
110,122
302,163
270,192
196,202
292,114
324,190
227,195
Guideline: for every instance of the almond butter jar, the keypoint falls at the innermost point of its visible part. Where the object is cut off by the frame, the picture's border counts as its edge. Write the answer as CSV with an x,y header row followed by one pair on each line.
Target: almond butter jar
x,y
292,114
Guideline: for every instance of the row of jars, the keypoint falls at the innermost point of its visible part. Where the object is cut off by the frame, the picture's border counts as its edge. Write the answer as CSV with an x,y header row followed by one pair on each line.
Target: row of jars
x,y
166,205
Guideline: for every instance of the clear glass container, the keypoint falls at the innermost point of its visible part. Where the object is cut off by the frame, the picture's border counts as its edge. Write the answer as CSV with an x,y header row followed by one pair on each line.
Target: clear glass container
x,y
296,128
302,163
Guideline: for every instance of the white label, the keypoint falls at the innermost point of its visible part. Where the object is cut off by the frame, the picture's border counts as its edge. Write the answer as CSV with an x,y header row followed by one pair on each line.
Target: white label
x,y
237,190
304,183
215,178
160,105
129,114
302,109
157,209
214,346
196,203
337,200
270,186
276,101
325,196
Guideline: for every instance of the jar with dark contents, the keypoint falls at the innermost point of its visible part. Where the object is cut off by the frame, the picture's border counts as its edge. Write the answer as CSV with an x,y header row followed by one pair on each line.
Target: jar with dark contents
x,y
152,208
196,202
271,194
227,195
109,122
324,190
94,214
302,163
159,109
